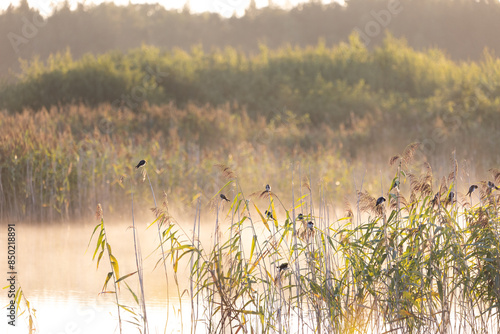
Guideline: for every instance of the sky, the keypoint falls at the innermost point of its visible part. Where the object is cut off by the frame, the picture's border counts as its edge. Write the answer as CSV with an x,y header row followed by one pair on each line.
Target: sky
x,y
224,7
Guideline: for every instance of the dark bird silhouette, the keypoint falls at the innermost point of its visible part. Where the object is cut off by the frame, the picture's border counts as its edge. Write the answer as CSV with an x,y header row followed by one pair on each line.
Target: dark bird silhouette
x,y
451,196
491,185
380,200
141,163
435,199
471,190
283,266
266,192
224,197
300,216
269,215
310,225
395,185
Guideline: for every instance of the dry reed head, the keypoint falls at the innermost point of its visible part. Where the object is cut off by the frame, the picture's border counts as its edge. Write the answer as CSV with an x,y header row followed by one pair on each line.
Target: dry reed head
x,y
482,219
453,174
98,212
443,187
414,182
306,184
368,203
348,210
305,233
428,173
162,215
495,172
393,202
265,194
226,171
484,190
165,200
407,156
421,185
409,153
394,159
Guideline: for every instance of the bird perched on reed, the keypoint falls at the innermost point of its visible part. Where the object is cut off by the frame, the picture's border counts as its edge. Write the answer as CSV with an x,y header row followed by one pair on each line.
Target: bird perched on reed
x,y
450,198
471,190
380,200
306,230
222,196
281,269
141,163
487,188
435,200
301,219
492,186
266,193
283,266
395,185
269,215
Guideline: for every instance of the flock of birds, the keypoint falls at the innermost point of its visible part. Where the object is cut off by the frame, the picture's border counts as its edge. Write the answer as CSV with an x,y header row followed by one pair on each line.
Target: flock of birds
x,y
307,229
490,186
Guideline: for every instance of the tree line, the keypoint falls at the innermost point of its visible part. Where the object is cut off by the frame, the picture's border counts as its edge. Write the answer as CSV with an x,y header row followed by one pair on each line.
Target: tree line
x,y
461,28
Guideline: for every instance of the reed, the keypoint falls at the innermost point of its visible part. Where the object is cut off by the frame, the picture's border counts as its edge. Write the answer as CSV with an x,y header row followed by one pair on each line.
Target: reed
x,y
429,263
56,165
103,247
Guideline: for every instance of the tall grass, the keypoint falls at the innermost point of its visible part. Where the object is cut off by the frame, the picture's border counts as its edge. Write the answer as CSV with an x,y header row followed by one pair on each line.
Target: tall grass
x,y
422,261
59,165
102,248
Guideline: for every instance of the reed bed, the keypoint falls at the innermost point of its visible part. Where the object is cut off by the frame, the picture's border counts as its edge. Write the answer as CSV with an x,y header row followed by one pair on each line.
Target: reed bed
x,y
57,165
423,260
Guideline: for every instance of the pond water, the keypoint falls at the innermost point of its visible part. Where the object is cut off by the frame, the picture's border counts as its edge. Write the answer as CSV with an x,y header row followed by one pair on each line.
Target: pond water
x,y
61,282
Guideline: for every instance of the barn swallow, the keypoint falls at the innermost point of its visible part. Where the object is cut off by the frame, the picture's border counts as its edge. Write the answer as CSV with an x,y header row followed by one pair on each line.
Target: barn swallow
x,y
269,215
141,163
283,266
395,185
491,185
310,225
435,199
266,192
380,200
224,197
471,190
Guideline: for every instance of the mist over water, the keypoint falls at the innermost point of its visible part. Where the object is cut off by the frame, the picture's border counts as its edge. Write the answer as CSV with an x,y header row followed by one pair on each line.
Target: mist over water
x,y
60,280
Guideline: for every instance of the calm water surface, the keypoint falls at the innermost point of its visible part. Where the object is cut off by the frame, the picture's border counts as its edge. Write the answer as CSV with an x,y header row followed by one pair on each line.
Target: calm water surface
x,y
60,280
